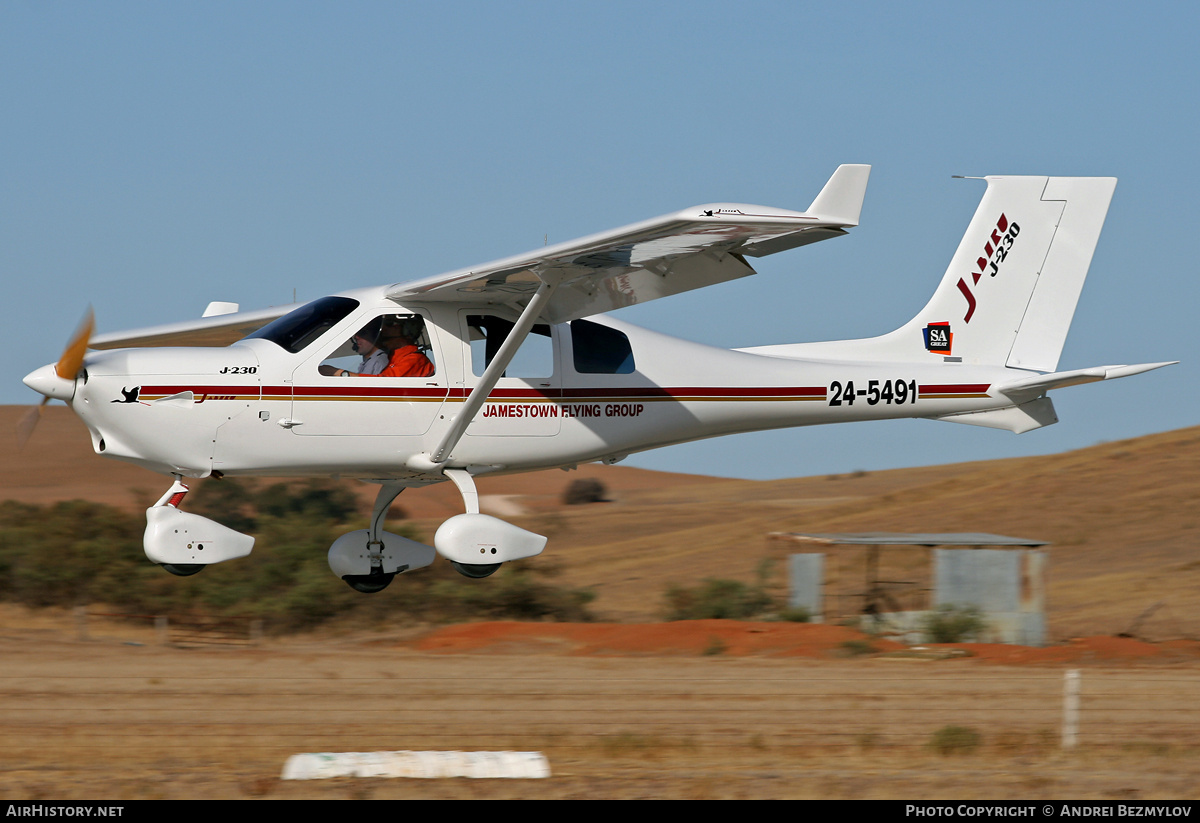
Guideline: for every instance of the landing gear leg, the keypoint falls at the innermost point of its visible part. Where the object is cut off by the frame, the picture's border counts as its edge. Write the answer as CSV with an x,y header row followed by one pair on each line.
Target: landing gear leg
x,y
466,487
173,498
377,580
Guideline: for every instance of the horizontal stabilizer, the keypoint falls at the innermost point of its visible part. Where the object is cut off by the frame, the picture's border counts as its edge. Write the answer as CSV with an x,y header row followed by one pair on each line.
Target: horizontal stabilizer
x,y
1037,384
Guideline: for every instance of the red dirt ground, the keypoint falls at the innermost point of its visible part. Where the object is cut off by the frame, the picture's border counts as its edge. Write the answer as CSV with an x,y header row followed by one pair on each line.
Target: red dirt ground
x,y
737,638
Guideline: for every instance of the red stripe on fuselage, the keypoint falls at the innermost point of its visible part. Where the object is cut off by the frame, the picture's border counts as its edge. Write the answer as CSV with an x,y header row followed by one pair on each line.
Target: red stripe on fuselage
x,y
352,392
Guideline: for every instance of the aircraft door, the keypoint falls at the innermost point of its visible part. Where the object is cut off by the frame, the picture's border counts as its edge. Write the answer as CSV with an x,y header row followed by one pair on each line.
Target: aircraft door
x,y
385,380
525,401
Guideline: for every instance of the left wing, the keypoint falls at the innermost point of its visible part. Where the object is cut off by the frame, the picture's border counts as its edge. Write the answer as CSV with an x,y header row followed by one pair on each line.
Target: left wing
x,y
656,258
210,330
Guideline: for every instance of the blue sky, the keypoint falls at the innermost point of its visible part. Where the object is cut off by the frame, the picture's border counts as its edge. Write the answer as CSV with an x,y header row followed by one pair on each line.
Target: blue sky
x,y
156,156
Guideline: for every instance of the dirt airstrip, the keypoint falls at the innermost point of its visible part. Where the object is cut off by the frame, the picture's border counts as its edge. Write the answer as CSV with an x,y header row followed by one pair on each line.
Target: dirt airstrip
x,y
705,709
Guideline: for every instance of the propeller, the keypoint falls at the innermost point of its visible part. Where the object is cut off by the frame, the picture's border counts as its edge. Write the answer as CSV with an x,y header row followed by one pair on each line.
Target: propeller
x,y
66,369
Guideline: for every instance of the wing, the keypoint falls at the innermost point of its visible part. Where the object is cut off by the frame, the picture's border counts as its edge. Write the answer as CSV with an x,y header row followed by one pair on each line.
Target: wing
x,y
656,258
211,330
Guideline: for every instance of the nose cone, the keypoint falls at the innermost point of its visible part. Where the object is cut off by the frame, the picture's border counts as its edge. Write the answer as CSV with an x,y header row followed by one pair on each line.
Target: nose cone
x,y
46,381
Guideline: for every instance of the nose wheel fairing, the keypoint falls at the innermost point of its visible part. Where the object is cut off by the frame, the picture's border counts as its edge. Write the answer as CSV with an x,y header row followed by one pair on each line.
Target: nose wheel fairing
x,y
181,540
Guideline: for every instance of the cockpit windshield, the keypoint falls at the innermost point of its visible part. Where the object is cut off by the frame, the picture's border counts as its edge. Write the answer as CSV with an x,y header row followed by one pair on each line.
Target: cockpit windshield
x,y
298,328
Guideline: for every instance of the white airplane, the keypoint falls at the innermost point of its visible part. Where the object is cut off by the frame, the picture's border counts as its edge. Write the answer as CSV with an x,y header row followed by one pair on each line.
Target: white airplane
x,y
513,366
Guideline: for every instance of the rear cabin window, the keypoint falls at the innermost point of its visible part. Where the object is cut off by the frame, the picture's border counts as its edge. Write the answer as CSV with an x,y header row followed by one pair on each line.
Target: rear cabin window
x,y
534,358
599,349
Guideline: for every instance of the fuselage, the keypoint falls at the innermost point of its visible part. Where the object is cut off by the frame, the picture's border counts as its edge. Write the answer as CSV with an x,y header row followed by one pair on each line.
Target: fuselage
x,y
595,389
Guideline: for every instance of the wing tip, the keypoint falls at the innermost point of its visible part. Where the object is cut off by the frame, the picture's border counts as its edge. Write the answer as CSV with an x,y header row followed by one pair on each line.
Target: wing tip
x,y
841,199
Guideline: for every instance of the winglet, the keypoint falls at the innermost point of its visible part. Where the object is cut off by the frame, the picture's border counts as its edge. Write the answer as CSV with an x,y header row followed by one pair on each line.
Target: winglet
x,y
842,198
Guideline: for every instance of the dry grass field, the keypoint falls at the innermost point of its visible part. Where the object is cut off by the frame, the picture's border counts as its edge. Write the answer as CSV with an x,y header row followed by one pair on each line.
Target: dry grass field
x,y
120,716
694,712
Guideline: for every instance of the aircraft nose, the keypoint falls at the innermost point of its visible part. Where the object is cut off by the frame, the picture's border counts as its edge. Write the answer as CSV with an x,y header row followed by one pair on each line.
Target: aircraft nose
x,y
46,381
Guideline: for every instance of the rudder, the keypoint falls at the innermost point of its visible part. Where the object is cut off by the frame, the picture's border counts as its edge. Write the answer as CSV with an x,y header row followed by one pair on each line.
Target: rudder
x,y
1047,318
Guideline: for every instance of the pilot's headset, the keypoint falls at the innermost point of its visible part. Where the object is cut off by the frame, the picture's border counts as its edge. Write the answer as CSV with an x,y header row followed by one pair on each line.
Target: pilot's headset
x,y
409,328
368,332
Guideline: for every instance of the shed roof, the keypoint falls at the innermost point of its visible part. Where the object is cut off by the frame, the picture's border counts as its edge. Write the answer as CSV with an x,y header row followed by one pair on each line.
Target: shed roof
x,y
921,539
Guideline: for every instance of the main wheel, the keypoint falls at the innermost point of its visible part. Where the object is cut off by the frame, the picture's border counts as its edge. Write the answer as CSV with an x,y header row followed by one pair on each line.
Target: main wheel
x,y
475,571
184,569
369,583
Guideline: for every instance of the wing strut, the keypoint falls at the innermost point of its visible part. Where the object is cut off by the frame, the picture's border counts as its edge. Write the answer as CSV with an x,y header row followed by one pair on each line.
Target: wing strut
x,y
491,374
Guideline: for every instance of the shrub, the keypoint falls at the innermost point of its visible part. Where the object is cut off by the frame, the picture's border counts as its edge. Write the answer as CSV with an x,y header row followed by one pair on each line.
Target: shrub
x,y
955,740
795,614
716,599
77,553
953,624
515,593
856,648
585,490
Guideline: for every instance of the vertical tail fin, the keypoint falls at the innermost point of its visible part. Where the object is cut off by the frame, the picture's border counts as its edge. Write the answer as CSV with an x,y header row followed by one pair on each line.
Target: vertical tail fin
x,y
1012,286
1010,292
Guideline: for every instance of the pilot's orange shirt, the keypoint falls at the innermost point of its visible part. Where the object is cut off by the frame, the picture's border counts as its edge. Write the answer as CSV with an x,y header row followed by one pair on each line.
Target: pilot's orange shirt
x,y
407,362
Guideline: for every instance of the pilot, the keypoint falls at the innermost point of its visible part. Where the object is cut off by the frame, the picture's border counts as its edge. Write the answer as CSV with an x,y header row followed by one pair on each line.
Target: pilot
x,y
366,344
376,340
406,359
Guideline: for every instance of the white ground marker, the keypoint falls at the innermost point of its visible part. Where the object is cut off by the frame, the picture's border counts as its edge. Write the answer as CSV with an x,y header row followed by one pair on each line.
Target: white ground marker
x,y
322,765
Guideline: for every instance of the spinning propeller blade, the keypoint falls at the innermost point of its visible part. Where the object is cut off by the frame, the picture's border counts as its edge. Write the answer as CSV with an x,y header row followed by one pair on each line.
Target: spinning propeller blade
x,y
67,368
28,423
69,364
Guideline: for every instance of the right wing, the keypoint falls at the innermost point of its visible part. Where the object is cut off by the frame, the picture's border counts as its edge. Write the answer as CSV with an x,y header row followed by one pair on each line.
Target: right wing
x,y
660,257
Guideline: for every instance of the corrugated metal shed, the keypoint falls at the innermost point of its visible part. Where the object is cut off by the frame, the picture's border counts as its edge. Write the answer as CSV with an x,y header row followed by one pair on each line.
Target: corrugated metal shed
x,y
1001,576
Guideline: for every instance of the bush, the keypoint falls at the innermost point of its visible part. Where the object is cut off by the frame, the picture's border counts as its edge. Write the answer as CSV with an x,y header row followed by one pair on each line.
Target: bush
x,y
795,614
856,648
585,490
955,740
953,624
77,553
514,593
717,599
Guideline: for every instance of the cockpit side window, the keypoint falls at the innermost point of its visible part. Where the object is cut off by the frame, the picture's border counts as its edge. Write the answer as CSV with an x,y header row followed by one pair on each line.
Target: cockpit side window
x,y
390,345
296,329
599,349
